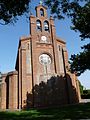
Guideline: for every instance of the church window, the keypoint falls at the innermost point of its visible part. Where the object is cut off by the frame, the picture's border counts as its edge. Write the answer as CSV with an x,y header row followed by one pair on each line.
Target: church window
x,y
45,59
41,12
59,48
46,26
38,25
28,60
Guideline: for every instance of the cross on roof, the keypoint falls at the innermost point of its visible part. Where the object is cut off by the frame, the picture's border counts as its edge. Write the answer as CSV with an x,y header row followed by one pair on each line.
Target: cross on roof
x,y
41,2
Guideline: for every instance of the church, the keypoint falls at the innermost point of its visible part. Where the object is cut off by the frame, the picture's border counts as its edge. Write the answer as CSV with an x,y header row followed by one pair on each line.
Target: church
x,y
41,77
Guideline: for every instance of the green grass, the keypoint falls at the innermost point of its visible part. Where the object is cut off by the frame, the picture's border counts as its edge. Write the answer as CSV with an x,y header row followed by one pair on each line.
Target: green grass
x,y
80,111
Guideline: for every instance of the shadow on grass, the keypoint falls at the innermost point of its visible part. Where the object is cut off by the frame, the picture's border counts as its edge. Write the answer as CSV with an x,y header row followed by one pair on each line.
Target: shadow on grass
x,y
80,111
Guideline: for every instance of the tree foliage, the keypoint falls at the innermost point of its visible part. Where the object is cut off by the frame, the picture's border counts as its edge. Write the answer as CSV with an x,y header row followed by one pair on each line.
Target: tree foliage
x,y
79,13
10,9
77,10
80,62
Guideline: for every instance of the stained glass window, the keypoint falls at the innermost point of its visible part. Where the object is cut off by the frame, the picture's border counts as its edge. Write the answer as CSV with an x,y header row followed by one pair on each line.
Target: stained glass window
x,y
45,59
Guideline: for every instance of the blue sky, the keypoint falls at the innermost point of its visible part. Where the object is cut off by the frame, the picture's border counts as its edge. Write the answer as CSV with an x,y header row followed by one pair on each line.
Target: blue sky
x,y
9,39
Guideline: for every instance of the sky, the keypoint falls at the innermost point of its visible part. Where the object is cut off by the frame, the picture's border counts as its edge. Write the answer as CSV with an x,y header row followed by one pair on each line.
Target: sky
x,y
10,35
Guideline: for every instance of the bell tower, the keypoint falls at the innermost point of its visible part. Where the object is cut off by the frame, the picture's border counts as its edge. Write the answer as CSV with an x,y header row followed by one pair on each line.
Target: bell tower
x,y
41,22
44,53
41,11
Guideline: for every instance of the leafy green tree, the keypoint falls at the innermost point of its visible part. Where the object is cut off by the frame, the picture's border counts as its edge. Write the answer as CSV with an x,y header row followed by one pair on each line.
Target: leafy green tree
x,y
79,13
80,62
11,9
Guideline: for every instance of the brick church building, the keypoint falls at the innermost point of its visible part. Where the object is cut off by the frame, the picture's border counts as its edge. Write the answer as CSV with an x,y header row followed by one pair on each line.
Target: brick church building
x,y
41,78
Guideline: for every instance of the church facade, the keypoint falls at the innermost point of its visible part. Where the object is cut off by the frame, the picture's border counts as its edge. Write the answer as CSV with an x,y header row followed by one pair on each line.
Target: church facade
x,y
42,77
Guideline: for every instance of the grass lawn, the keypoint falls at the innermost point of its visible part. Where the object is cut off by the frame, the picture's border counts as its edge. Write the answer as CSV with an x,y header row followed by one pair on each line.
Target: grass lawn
x,y
80,111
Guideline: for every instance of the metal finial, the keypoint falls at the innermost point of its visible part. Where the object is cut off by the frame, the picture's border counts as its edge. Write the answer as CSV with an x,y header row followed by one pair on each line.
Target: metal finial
x,y
41,2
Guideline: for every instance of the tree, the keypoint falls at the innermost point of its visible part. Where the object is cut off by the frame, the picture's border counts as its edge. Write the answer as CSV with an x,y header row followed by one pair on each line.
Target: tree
x,y
80,62
79,13
10,9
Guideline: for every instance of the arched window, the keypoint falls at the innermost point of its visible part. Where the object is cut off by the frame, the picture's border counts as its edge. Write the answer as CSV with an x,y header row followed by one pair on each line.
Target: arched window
x,y
46,26
45,59
38,27
41,12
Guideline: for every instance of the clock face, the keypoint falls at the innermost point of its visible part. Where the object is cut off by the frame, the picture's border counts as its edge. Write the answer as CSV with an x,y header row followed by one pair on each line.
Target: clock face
x,y
45,59
43,38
